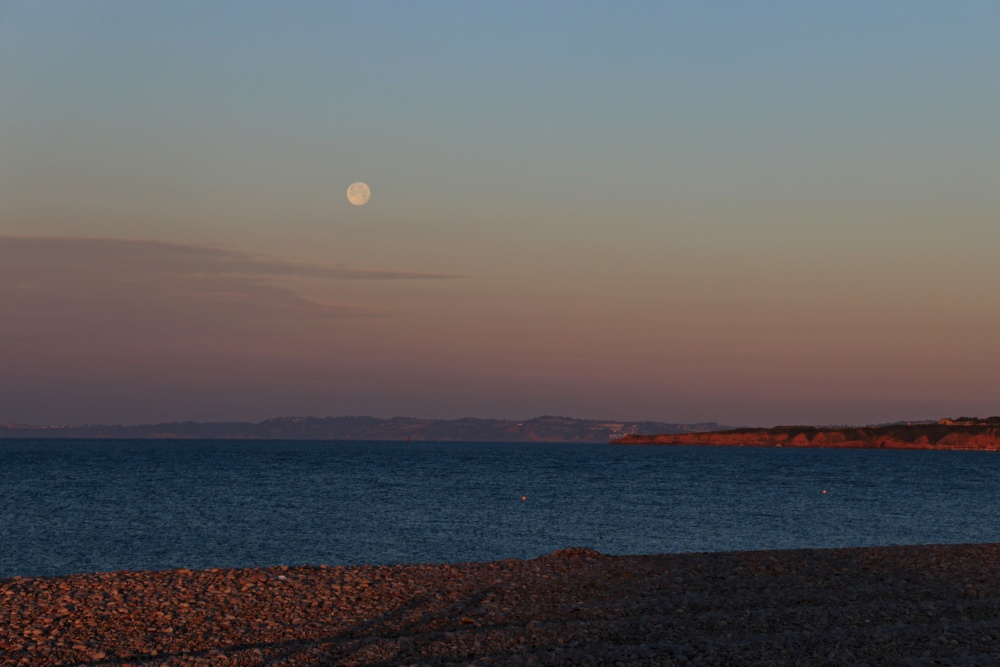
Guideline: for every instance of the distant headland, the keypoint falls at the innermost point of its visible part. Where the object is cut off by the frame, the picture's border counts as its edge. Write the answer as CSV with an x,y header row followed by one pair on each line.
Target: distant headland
x,y
963,433
539,429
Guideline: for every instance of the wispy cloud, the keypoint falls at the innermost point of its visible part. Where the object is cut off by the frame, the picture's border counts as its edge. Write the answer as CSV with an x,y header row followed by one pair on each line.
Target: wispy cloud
x,y
146,287
92,326
185,259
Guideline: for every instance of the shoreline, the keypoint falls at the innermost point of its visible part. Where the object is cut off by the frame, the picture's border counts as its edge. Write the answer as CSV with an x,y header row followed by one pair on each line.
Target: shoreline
x,y
903,605
936,437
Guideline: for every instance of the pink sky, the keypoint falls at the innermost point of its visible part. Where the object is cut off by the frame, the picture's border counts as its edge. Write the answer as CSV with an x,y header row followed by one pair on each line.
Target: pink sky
x,y
113,330
752,216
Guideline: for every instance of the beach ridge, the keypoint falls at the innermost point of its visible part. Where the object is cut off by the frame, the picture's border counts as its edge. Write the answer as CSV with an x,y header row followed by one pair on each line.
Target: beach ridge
x,y
878,605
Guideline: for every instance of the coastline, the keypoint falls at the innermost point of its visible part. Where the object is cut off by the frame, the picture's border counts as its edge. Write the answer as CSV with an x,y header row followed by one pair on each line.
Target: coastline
x,y
979,437
911,605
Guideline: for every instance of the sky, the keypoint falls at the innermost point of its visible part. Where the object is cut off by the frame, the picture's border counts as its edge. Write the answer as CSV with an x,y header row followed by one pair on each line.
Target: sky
x,y
749,213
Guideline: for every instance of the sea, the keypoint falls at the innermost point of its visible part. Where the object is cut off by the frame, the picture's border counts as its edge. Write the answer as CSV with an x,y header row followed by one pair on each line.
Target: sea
x,y
76,506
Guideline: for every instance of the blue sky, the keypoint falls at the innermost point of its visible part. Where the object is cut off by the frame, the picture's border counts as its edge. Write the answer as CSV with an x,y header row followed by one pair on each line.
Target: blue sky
x,y
751,213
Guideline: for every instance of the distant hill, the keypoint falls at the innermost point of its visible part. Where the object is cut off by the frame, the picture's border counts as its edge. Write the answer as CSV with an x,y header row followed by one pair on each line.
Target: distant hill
x,y
964,433
539,429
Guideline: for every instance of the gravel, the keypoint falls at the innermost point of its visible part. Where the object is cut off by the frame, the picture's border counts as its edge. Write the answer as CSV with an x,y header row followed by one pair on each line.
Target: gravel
x,y
916,605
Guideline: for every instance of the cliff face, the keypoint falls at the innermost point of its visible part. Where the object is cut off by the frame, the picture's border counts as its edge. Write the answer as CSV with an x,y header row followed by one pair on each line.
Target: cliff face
x,y
922,436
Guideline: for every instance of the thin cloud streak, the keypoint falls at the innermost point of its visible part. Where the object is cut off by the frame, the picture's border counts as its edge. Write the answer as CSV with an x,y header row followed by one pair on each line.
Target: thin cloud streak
x,y
190,259
137,327
61,287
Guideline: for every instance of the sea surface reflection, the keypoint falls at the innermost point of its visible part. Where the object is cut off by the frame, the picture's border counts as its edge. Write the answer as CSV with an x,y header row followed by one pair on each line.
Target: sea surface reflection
x,y
82,506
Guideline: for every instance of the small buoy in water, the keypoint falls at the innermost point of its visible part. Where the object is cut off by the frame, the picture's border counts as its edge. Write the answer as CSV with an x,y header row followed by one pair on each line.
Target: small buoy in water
x,y
824,490
526,497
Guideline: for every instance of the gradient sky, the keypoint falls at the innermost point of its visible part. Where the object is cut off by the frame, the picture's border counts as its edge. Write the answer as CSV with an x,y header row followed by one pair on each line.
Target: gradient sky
x,y
751,213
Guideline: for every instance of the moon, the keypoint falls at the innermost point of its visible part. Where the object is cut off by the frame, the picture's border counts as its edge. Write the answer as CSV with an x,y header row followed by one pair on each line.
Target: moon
x,y
359,194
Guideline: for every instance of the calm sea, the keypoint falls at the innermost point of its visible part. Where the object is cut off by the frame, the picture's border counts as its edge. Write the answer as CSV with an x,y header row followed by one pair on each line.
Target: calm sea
x,y
83,506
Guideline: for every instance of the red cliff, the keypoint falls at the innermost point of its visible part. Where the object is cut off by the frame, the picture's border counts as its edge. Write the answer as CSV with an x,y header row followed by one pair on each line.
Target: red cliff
x,y
918,436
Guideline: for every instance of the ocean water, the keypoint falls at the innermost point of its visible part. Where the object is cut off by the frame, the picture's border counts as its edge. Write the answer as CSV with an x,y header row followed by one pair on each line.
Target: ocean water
x,y
84,506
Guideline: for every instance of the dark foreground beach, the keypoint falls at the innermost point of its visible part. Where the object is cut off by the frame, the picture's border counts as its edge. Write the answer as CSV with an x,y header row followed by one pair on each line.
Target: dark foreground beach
x,y
926,605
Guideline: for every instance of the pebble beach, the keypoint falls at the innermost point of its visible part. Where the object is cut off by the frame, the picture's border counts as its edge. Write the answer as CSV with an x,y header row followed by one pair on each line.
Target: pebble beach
x,y
914,605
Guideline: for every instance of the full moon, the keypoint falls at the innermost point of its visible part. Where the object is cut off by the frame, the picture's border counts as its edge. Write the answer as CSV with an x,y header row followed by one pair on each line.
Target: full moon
x,y
359,194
